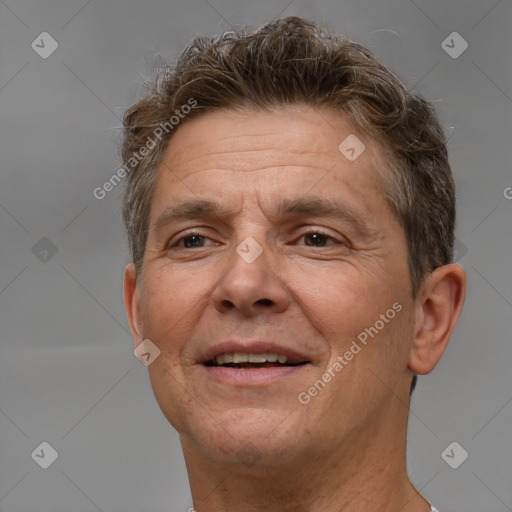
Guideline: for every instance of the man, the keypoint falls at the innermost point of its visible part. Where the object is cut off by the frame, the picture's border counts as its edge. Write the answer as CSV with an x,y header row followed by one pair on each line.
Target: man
x,y
290,210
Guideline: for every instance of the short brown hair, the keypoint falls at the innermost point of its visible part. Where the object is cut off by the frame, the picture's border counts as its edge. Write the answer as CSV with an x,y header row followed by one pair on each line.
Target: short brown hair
x,y
294,61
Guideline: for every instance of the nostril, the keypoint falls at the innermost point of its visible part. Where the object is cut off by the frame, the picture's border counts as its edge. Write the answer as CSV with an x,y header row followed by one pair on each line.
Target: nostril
x,y
265,302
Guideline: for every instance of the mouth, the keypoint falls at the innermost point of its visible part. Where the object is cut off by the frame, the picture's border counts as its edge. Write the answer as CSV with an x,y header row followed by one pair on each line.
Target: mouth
x,y
243,361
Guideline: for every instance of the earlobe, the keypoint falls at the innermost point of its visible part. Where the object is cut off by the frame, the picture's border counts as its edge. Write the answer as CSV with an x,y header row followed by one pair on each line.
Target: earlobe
x,y
132,303
438,308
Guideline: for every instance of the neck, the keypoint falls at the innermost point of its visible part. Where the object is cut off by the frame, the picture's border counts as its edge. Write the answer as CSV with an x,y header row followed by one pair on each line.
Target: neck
x,y
367,471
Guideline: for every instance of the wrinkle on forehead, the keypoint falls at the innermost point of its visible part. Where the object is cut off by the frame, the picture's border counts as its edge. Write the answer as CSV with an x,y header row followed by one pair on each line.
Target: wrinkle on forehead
x,y
259,153
257,140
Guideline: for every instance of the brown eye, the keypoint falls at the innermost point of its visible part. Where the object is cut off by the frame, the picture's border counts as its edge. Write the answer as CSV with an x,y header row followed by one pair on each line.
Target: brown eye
x,y
190,241
317,239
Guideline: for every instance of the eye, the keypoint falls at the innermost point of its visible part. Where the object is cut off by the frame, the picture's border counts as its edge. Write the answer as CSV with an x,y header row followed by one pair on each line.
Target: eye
x,y
317,238
190,241
193,240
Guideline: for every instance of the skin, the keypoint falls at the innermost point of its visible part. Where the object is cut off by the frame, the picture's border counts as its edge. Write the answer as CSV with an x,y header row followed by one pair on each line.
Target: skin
x,y
345,448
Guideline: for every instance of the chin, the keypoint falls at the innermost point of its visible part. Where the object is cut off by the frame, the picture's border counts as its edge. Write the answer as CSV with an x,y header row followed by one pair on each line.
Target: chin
x,y
255,455
249,437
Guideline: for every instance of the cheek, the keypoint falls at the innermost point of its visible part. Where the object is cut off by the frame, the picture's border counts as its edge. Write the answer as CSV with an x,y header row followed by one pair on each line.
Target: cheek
x,y
364,319
170,306
384,344
170,392
341,301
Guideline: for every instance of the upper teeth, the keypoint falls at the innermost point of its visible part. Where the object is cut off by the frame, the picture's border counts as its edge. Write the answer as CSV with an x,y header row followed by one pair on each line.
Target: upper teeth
x,y
250,358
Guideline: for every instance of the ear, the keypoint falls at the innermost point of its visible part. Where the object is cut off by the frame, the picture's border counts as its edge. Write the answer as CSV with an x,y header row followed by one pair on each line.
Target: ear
x,y
132,303
438,308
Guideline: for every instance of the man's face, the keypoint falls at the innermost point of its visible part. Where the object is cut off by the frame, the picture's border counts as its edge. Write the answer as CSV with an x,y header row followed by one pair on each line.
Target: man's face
x,y
322,279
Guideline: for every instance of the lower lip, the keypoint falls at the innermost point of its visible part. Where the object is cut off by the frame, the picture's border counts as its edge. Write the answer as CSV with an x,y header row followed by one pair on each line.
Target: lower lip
x,y
252,376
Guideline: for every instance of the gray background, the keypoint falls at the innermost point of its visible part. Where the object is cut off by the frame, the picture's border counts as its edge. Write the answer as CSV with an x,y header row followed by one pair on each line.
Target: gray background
x,y
67,372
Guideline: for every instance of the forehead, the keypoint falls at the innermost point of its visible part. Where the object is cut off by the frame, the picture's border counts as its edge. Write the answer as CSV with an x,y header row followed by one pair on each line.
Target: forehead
x,y
289,152
251,140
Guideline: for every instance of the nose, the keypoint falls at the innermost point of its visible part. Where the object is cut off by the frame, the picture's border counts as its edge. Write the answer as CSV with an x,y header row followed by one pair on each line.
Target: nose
x,y
250,287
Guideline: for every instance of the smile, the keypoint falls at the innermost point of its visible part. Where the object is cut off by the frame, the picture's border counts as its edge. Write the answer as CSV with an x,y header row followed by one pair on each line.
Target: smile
x,y
251,361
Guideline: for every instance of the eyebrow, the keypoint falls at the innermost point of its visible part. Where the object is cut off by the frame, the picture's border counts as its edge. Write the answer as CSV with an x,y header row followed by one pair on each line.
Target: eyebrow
x,y
286,208
197,209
